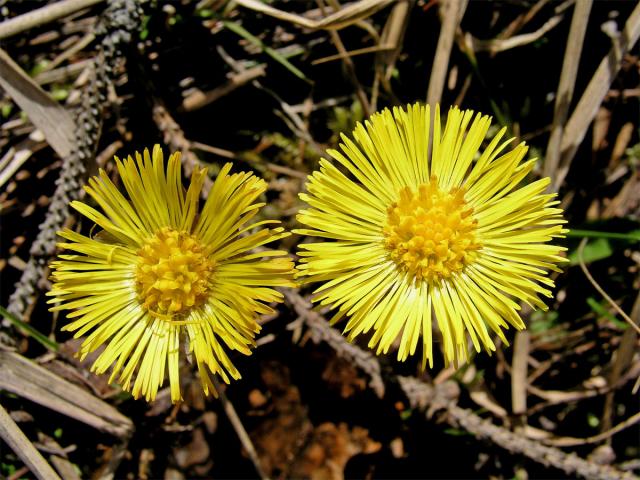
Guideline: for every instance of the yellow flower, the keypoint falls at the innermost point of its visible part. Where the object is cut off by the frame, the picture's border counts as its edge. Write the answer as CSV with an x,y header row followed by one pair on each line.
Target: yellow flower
x,y
443,233
161,273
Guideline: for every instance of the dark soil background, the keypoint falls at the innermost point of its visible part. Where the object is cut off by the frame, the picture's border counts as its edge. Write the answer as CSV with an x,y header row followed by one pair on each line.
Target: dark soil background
x,y
310,410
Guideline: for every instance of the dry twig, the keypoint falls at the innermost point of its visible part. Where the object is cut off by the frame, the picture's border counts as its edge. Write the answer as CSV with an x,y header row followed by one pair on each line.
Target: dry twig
x,y
571,464
452,12
392,39
348,66
199,99
43,15
20,444
585,111
233,417
29,380
519,369
600,290
573,442
566,86
342,18
620,361
46,114
502,44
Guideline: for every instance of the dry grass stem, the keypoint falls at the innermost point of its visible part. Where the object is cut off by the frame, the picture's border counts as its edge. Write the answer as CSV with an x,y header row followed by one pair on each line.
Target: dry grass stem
x,y
519,370
243,436
502,44
600,290
45,113
591,99
348,64
574,442
20,444
451,14
344,17
199,99
564,95
43,15
29,380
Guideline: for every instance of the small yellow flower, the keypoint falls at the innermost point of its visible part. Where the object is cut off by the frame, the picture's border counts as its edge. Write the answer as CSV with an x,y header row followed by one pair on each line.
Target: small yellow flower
x,y
161,273
443,233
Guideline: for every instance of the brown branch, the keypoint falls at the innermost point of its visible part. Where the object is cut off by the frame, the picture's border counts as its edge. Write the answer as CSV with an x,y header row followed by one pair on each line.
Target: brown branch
x,y
620,361
570,463
321,331
115,29
29,380
344,17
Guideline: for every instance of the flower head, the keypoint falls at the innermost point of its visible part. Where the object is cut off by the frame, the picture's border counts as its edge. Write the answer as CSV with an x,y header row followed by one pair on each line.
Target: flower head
x,y
429,232
160,272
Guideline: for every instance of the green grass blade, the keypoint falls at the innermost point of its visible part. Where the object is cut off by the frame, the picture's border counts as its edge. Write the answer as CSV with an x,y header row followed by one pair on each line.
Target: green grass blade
x,y
29,330
603,312
241,31
633,236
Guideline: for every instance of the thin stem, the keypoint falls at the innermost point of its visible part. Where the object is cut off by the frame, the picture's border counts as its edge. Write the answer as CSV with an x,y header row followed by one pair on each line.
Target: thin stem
x,y
233,417
600,289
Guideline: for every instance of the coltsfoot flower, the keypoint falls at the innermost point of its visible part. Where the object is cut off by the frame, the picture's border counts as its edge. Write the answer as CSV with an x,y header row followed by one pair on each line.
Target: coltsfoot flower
x,y
162,274
418,234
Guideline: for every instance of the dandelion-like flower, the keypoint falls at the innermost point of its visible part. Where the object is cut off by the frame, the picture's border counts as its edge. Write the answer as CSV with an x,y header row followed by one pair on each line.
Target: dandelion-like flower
x,y
161,273
429,232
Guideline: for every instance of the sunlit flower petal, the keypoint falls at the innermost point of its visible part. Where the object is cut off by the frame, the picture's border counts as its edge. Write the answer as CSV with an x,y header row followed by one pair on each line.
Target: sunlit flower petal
x,y
160,275
422,234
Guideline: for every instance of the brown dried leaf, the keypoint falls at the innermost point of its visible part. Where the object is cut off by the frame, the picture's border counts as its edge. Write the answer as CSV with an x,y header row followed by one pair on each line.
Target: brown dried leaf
x,y
329,450
194,453
343,375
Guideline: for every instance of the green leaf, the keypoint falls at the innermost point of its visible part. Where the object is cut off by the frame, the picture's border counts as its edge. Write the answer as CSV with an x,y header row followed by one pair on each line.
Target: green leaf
x,y
205,13
592,251
144,29
29,330
603,312
60,93
542,321
406,414
39,67
632,236
241,31
8,468
456,432
6,109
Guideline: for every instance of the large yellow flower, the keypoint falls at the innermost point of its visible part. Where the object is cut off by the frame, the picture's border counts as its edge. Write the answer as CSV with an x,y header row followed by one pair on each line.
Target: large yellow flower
x,y
424,232
160,273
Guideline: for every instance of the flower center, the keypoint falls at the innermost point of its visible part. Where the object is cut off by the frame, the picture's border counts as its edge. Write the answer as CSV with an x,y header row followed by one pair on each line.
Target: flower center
x,y
430,233
173,274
